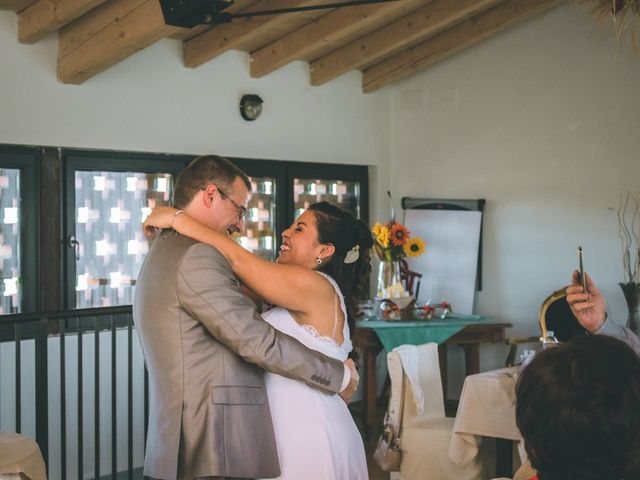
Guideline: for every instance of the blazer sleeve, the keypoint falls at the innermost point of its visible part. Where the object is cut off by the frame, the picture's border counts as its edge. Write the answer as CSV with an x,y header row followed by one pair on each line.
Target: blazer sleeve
x,y
210,292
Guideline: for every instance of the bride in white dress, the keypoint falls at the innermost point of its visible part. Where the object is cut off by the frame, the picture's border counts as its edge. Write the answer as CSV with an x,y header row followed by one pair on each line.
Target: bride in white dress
x,y
324,257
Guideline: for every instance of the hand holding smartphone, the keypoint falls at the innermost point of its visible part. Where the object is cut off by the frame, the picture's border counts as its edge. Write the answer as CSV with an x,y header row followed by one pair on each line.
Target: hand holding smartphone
x,y
582,277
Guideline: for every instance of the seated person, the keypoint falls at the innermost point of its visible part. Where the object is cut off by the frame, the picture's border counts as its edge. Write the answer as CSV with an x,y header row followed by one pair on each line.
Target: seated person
x,y
590,309
578,410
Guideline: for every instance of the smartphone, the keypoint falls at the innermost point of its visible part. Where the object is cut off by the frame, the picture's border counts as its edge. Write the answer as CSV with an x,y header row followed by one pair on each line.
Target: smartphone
x,y
582,278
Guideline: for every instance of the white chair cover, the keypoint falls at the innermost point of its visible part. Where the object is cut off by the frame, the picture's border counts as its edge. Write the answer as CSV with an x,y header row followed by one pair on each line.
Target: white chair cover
x,y
425,431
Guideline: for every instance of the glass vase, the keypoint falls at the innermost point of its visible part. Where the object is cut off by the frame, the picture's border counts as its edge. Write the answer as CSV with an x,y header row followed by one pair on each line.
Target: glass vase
x,y
631,293
389,282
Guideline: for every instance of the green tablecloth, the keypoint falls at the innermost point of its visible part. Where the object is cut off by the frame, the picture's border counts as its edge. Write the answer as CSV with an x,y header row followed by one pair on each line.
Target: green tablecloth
x,y
417,332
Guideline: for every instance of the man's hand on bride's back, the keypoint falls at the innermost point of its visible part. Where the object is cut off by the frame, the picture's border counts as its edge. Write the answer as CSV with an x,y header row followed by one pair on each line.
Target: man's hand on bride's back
x,y
348,392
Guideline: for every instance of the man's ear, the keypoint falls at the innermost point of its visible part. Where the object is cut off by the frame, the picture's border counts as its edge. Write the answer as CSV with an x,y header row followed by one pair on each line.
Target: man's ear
x,y
209,194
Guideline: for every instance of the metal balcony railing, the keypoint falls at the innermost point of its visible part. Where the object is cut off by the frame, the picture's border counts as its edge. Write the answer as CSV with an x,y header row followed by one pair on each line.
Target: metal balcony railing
x,y
75,381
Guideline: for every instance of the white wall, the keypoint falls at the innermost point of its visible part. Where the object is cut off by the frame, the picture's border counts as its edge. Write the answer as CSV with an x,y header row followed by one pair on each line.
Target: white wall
x,y
542,121
151,102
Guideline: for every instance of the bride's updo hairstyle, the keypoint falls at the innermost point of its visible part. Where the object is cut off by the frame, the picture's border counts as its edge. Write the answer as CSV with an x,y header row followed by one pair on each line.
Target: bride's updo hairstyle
x,y
344,232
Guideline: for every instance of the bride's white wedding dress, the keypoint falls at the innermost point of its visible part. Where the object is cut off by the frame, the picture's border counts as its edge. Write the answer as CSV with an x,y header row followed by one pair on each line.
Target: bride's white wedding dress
x,y
315,434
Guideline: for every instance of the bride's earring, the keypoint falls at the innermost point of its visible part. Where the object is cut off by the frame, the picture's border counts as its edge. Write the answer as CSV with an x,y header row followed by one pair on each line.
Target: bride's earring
x,y
319,261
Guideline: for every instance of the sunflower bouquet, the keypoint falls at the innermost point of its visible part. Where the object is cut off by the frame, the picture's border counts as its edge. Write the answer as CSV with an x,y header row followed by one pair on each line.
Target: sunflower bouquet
x,y
393,242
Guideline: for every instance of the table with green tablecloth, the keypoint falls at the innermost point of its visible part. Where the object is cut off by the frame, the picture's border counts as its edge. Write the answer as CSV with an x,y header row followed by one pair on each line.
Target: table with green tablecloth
x,y
467,331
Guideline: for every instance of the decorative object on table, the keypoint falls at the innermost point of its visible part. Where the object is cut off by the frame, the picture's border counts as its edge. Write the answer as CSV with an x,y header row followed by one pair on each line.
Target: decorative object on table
x,y
397,309
625,15
429,310
393,243
366,310
628,213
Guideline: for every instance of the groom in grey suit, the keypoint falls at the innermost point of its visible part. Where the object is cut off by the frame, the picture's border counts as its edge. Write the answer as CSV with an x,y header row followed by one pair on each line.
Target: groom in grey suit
x,y
206,347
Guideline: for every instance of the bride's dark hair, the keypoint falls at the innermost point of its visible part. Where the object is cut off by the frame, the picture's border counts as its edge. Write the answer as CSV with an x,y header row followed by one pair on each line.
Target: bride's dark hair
x,y
343,231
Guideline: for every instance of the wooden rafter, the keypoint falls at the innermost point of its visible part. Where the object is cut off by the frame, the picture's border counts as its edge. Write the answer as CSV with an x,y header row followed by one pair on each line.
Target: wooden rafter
x,y
221,38
108,34
425,22
451,41
46,16
326,30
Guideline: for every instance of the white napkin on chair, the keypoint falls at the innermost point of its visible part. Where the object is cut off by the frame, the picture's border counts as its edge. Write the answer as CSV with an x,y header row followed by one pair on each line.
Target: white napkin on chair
x,y
409,358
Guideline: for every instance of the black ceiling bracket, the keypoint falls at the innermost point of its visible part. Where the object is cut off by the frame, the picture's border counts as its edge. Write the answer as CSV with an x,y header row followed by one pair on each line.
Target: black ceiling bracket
x,y
189,13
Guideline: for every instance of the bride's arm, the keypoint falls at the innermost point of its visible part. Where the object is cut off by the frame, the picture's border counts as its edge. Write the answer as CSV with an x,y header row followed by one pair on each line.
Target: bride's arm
x,y
289,286
255,298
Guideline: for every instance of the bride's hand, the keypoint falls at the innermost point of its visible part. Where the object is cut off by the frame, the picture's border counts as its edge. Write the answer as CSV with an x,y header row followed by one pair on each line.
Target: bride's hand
x,y
160,217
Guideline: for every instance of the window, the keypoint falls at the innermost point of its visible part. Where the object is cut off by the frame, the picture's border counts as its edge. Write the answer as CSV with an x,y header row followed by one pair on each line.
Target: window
x,y
282,190
259,236
18,217
111,196
343,193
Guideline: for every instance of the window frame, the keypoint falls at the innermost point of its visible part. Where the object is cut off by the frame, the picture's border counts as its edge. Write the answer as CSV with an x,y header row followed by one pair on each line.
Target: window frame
x,y
26,159
74,160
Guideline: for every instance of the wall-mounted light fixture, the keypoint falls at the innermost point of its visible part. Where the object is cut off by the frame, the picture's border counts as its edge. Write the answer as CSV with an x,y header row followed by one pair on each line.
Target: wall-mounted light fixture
x,y
250,107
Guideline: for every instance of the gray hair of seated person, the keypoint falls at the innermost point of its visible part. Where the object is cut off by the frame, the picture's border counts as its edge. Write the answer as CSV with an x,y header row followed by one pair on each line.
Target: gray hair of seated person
x,y
578,410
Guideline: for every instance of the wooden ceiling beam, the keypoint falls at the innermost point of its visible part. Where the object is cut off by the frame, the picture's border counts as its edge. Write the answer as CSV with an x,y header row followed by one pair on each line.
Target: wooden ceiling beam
x,y
46,16
451,41
108,34
324,31
221,38
425,22
15,5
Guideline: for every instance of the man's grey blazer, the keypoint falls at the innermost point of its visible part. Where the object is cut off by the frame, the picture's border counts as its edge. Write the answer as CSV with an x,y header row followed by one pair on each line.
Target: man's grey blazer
x,y
205,348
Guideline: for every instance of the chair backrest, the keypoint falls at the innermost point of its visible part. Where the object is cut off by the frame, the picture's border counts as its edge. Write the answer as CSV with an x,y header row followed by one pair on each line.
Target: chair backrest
x,y
418,365
556,316
409,278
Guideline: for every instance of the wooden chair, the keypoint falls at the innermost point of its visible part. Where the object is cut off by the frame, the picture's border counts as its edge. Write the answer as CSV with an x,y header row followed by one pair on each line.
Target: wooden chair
x,y
409,278
555,318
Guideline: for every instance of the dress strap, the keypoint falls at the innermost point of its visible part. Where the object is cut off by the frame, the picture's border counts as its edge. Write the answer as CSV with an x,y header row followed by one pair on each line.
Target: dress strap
x,y
335,286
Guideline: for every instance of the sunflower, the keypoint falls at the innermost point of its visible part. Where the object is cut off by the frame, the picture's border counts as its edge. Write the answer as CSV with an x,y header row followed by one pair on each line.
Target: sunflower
x,y
399,234
414,247
382,236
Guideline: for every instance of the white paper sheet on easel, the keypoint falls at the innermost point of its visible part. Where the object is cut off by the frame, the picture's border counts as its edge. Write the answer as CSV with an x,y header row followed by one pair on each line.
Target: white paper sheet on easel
x,y
449,264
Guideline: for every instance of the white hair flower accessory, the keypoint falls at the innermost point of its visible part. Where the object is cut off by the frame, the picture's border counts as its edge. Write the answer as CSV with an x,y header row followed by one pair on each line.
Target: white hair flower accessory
x,y
353,254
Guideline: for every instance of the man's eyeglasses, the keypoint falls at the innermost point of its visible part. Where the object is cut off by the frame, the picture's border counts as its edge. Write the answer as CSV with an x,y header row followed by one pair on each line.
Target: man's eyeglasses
x,y
242,210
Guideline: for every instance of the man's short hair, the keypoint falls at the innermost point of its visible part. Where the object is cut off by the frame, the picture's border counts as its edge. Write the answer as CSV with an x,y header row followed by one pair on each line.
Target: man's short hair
x,y
203,171
578,410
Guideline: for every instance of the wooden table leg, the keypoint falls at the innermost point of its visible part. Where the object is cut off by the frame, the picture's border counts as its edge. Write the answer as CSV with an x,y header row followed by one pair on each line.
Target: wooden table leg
x,y
471,358
370,387
442,360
